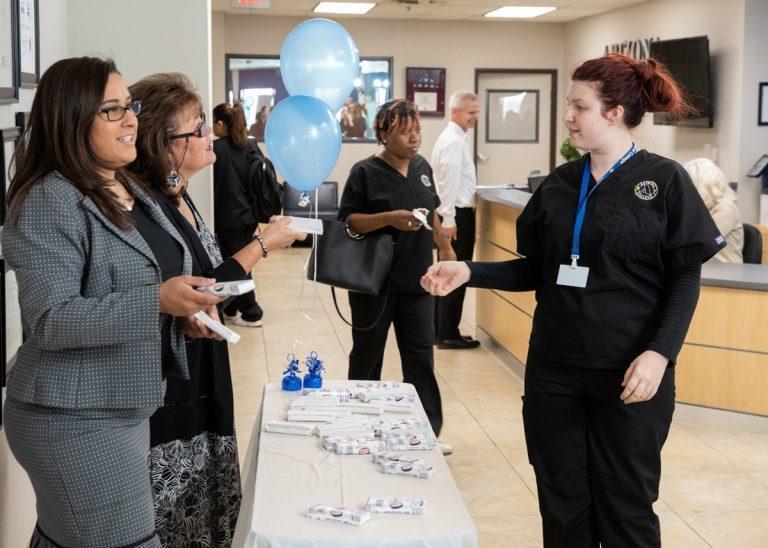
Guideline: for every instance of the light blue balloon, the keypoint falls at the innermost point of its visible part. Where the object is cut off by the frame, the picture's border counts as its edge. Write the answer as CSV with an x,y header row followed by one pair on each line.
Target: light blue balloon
x,y
320,59
303,139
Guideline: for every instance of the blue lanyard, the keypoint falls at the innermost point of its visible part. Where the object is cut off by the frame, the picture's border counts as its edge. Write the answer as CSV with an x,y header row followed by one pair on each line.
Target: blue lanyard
x,y
584,196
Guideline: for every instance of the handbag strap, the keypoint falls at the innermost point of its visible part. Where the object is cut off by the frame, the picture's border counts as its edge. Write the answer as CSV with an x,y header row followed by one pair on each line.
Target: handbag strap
x,y
368,328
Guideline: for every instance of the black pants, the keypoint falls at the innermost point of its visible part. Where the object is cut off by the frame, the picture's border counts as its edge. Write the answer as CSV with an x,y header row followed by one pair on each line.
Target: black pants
x,y
449,307
231,241
413,316
597,460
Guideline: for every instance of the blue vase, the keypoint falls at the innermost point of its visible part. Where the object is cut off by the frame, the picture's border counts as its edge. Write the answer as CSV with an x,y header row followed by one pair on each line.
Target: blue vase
x,y
313,380
291,383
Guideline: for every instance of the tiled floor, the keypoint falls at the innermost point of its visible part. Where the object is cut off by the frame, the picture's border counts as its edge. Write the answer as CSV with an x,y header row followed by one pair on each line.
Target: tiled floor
x,y
714,490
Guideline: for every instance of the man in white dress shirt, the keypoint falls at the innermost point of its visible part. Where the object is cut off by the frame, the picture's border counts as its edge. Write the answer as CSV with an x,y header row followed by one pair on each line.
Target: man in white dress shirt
x,y
455,181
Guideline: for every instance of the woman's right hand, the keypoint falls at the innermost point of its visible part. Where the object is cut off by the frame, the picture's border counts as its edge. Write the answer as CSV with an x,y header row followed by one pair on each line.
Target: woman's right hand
x,y
404,220
444,277
277,234
178,296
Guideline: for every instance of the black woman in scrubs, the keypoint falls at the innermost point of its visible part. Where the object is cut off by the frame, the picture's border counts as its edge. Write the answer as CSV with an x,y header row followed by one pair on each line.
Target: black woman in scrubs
x,y
380,195
613,246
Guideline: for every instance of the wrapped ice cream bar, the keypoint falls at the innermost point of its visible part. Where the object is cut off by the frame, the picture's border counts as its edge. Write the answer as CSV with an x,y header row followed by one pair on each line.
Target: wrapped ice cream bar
x,y
351,432
359,447
361,408
395,506
349,516
314,416
404,424
410,444
378,385
387,456
397,436
396,407
351,420
416,470
330,442
284,427
341,393
313,401
386,395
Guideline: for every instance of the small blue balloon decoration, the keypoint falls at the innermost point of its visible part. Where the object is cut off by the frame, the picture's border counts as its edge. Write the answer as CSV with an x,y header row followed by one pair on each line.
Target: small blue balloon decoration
x,y
320,59
291,382
303,139
313,379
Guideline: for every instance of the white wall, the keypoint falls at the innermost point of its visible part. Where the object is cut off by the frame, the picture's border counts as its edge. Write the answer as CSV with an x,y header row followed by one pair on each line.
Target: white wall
x,y
723,22
17,500
149,36
460,47
753,138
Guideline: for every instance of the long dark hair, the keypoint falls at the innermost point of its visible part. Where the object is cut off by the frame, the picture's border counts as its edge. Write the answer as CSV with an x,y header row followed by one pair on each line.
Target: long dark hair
x,y
233,117
162,96
57,136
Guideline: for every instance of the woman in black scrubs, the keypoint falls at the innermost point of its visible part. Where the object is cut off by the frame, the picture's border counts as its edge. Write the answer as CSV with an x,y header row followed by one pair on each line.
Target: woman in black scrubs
x,y
613,246
380,194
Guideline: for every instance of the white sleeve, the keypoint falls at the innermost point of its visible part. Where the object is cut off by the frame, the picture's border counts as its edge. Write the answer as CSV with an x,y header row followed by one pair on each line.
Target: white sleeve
x,y
448,181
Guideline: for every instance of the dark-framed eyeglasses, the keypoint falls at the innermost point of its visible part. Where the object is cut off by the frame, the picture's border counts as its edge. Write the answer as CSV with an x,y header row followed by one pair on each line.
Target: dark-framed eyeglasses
x,y
200,131
117,112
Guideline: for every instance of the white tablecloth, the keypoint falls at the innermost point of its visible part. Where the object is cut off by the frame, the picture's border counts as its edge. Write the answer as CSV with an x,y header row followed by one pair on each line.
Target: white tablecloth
x,y
285,474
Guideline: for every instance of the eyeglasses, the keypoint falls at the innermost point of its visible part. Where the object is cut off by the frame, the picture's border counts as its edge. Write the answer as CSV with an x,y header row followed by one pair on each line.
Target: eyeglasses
x,y
200,131
117,112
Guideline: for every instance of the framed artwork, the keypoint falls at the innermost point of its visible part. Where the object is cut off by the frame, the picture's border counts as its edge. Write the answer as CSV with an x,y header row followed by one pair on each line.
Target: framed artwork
x,y
29,42
762,107
255,81
10,312
9,136
512,116
425,87
9,52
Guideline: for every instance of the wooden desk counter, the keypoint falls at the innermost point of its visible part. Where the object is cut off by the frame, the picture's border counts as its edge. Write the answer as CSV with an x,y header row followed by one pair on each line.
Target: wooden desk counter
x,y
724,361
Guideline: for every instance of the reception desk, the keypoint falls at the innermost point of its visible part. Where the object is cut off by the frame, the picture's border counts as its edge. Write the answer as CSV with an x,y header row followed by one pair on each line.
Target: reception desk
x,y
724,361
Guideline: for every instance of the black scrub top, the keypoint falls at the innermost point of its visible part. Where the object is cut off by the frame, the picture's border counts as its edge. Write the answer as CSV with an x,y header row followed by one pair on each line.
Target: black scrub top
x,y
645,220
374,186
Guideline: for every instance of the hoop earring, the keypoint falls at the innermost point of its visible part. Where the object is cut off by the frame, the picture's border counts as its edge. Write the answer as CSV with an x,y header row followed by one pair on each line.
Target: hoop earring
x,y
173,180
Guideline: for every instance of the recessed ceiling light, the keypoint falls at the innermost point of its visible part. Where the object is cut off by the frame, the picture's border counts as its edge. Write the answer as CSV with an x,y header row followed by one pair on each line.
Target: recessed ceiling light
x,y
351,8
519,12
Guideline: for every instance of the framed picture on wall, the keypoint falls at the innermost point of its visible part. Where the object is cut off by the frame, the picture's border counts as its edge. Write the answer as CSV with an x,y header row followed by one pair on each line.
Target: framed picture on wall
x,y
762,106
255,81
29,42
10,312
9,53
512,116
425,87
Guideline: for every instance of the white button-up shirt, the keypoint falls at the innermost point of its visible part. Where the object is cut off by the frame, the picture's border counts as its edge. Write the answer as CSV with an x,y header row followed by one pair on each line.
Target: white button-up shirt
x,y
454,172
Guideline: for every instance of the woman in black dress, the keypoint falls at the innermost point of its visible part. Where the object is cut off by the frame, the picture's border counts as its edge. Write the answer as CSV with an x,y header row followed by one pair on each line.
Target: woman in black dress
x,y
379,196
193,462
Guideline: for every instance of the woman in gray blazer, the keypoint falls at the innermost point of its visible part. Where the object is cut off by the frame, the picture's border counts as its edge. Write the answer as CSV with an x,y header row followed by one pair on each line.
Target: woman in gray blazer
x,y
104,289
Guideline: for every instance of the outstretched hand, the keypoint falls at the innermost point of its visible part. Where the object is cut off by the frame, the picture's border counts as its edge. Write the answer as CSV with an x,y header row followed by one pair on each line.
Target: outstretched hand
x,y
444,277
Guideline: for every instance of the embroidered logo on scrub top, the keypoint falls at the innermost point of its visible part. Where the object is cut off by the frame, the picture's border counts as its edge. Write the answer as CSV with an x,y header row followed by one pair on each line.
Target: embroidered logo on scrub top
x,y
646,190
425,180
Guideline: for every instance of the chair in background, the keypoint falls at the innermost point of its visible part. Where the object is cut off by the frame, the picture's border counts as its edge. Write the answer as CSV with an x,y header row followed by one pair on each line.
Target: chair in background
x,y
753,245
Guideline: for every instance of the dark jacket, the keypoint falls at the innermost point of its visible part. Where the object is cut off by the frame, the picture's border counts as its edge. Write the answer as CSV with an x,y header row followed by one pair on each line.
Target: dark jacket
x,y
231,206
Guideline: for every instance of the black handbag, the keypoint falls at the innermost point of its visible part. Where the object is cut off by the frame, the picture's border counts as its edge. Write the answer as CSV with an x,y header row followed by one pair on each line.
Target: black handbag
x,y
359,264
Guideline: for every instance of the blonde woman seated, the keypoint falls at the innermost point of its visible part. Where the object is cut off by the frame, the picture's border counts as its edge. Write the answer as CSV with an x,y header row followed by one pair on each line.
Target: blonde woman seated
x,y
720,200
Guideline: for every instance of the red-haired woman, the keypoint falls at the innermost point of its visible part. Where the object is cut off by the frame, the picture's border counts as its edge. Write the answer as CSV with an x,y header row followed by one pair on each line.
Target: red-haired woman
x,y
380,195
613,246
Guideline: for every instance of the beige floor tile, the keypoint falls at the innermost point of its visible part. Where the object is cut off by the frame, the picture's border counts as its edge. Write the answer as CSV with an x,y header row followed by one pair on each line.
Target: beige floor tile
x,y
508,531
676,533
722,436
714,492
760,476
752,457
693,459
731,528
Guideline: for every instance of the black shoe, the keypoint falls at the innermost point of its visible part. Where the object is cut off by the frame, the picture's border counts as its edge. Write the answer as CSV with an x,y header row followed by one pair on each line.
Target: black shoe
x,y
457,344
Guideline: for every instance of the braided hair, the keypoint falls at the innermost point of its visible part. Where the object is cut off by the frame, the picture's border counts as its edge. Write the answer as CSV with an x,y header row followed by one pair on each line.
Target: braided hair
x,y
391,114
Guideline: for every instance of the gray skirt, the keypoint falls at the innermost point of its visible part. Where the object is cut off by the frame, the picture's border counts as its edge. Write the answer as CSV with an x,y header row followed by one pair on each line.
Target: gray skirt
x,y
89,472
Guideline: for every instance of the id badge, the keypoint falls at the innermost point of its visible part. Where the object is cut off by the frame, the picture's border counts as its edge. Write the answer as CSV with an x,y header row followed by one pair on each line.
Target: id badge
x,y
573,276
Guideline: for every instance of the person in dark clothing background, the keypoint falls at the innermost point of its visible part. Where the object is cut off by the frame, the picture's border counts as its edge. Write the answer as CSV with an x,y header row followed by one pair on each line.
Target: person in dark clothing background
x,y
613,246
380,194
234,219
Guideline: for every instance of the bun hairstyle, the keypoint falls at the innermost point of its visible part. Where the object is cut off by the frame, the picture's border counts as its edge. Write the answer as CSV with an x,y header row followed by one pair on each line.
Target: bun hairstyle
x,y
233,117
638,86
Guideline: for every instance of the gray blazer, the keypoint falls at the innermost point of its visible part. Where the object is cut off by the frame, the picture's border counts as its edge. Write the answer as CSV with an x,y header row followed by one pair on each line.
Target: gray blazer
x,y
90,306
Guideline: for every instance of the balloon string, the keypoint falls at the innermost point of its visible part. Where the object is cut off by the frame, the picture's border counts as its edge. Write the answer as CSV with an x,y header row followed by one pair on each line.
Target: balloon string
x,y
306,316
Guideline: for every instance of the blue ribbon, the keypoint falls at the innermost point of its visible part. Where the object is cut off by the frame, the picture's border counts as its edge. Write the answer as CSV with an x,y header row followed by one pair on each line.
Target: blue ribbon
x,y
584,196
292,368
